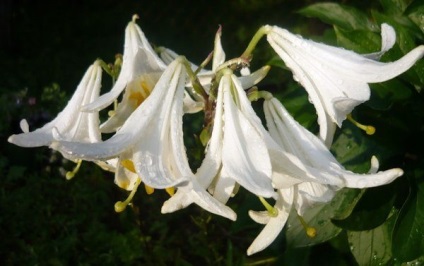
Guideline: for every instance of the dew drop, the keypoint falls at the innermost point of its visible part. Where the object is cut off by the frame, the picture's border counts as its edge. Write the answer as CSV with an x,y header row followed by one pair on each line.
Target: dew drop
x,y
148,160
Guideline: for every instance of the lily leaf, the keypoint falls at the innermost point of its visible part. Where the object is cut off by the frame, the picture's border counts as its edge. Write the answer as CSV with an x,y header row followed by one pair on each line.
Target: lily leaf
x,y
371,211
345,17
408,238
372,247
394,7
385,94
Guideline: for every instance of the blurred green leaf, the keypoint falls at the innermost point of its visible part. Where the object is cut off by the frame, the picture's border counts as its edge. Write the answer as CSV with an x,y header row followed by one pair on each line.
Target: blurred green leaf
x,y
394,7
408,238
345,17
415,12
372,247
371,211
385,94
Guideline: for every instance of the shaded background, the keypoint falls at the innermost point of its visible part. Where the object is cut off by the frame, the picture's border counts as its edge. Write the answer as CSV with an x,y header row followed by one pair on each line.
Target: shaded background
x,y
46,46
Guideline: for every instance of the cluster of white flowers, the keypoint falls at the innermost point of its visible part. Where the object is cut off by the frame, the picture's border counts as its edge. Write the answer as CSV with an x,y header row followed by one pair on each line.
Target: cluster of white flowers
x,y
283,160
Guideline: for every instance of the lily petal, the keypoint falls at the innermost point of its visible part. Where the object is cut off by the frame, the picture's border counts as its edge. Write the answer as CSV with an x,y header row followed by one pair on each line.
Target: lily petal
x,y
275,224
72,124
318,160
249,164
139,58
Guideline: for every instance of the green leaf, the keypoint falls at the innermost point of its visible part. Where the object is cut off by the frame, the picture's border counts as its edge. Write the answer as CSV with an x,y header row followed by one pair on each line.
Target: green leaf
x,y
408,237
320,217
345,17
352,148
385,94
415,12
371,211
360,41
372,247
394,7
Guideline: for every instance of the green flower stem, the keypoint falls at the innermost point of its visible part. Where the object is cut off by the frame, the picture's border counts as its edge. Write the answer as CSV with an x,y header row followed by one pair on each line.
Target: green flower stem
x,y
254,95
198,88
247,54
204,63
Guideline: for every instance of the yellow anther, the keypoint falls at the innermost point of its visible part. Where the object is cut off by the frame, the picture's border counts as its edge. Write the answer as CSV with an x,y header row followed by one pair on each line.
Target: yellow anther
x,y
137,97
370,130
129,165
310,231
170,191
121,205
273,212
112,112
149,189
71,174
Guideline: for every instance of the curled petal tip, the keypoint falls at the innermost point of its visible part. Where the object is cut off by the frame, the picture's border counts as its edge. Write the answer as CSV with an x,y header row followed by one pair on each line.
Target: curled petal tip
x,y
135,17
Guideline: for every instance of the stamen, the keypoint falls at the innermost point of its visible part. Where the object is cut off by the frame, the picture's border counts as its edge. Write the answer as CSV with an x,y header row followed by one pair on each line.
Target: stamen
x,y
273,212
170,191
137,97
129,165
370,130
70,174
310,231
121,205
112,112
149,189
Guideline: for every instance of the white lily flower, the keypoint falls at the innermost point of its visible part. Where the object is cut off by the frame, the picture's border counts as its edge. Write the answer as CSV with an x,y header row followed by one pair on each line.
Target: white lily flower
x,y
321,164
144,135
236,152
71,123
336,79
139,58
152,140
302,197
